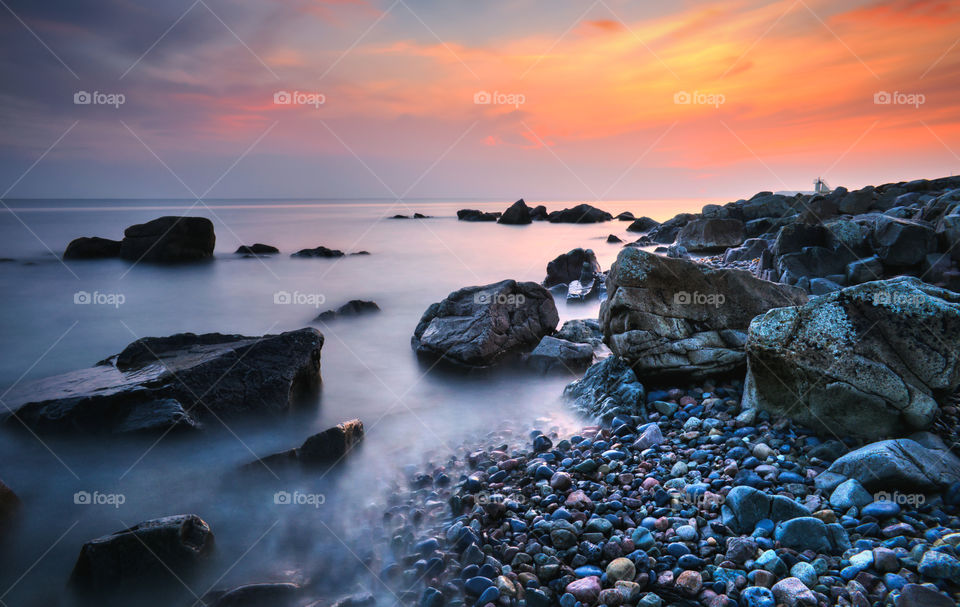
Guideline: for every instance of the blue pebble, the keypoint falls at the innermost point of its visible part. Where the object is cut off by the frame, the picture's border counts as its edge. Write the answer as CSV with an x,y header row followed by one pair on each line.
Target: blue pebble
x,y
894,581
544,472
568,600
477,585
490,595
881,509
677,550
757,596
587,571
689,561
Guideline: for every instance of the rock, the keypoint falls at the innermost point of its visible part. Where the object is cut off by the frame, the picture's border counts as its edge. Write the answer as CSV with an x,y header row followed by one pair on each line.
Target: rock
x,y
804,533
569,267
644,224
916,595
751,249
758,596
625,216
857,361
477,326
354,307
613,239
792,593
476,215
269,594
677,318
746,506
92,248
621,569
517,214
582,213
821,286
256,249
864,270
559,355
896,465
903,242
849,494
318,252
161,383
321,449
667,231
581,331
147,552
711,234
651,436
689,582
9,506
609,388
939,565
586,590
765,204
539,213
857,201
169,239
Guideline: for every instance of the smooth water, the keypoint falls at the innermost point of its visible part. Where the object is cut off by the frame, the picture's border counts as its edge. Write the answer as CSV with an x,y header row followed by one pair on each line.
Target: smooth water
x,y
412,414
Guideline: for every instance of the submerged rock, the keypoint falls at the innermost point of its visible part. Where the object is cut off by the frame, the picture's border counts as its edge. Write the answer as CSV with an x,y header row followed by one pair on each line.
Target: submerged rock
x,y
162,383
477,326
673,317
868,361
323,448
92,248
476,215
149,552
643,224
266,594
354,307
582,213
318,252
517,214
568,267
256,249
608,389
169,239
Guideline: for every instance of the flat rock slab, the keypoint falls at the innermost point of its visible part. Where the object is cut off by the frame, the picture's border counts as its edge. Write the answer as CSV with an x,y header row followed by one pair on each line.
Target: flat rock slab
x,y
159,383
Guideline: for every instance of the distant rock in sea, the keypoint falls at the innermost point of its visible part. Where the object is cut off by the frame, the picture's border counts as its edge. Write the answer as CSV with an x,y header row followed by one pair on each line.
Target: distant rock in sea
x,y
257,249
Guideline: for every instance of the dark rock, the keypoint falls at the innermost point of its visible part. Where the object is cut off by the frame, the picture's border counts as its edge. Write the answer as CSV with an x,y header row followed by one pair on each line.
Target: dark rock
x,y
643,224
169,239
159,383
666,232
582,213
558,355
898,465
9,506
517,214
581,331
711,234
613,238
746,506
150,551
625,216
916,595
569,267
751,249
858,201
674,317
269,594
257,249
354,307
857,361
902,242
864,270
92,248
318,252
476,215
477,326
324,448
608,389
539,213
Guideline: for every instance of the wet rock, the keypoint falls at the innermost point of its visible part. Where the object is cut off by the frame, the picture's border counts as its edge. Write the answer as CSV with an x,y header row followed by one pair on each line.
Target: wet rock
x,y
586,590
169,239
643,224
569,267
256,249
895,465
792,593
321,449
751,248
582,213
554,355
849,494
268,594
581,331
711,234
539,213
476,215
746,506
608,388
478,326
858,358
916,595
161,383
92,248
613,239
145,553
318,252
677,318
517,214
354,307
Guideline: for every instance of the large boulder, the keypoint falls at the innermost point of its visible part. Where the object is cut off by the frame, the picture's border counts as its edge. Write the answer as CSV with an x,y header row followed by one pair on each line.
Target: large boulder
x,y
751,249
903,242
710,235
666,232
162,383
169,239
163,549
477,326
675,318
568,267
517,214
643,224
894,465
609,388
554,355
92,248
582,213
324,448
869,360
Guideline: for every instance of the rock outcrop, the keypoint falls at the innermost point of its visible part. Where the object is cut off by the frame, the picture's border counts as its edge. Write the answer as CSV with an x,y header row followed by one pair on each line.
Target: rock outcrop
x,y
324,448
162,383
257,249
609,388
711,234
354,307
92,248
582,213
676,318
868,361
568,267
895,465
517,214
476,215
169,240
478,326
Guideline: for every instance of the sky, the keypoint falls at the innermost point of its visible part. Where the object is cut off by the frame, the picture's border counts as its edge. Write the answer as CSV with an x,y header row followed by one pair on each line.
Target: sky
x,y
403,99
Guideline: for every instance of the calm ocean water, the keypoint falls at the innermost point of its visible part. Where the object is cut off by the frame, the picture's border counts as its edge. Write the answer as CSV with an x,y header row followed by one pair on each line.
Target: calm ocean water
x,y
368,368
